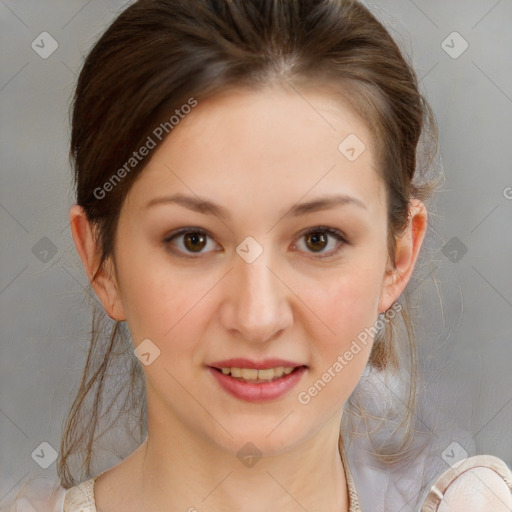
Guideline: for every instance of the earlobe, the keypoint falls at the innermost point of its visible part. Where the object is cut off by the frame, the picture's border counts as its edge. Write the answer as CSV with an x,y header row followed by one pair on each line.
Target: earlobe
x,y
102,278
407,249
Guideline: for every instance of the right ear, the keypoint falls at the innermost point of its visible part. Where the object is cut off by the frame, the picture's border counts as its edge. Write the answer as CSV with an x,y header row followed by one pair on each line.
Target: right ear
x,y
103,279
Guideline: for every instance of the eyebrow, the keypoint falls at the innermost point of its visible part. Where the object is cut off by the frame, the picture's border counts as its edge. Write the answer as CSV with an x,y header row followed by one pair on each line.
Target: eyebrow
x,y
207,207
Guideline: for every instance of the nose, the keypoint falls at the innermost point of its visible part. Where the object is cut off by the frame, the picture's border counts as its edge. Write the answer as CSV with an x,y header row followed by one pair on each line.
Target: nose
x,y
257,304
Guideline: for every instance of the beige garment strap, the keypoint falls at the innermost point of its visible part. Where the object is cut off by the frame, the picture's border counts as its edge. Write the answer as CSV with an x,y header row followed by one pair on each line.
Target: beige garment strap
x,y
438,490
80,498
352,493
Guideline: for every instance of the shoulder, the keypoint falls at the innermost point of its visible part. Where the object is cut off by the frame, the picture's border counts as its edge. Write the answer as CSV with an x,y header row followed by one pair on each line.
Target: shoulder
x,y
479,489
477,484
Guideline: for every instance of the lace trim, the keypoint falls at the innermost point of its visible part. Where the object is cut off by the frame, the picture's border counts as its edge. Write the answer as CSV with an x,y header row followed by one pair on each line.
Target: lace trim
x,y
438,490
353,497
80,498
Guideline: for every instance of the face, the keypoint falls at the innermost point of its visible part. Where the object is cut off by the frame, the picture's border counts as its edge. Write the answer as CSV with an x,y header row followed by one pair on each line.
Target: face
x,y
251,241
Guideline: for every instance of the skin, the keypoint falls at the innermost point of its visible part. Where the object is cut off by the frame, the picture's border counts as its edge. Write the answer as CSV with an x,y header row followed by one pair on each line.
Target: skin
x,y
256,153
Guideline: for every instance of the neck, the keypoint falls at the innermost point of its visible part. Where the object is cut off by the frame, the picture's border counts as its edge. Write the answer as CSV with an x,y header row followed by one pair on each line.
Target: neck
x,y
192,475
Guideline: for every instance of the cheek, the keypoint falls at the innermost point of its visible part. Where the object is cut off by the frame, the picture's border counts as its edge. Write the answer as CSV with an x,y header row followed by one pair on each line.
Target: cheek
x,y
158,300
349,307
348,303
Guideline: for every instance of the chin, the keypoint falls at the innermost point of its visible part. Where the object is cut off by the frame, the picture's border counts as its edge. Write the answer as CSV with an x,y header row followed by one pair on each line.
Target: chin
x,y
266,438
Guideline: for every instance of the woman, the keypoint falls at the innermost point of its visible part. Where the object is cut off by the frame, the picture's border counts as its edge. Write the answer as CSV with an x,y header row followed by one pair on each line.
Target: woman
x,y
250,203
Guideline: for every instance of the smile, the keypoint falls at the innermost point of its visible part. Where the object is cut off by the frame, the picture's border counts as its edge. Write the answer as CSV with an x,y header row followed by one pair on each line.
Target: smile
x,y
257,384
252,374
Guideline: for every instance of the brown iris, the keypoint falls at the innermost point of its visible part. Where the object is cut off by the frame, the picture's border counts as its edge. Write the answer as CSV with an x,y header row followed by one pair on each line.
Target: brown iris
x,y
318,241
194,242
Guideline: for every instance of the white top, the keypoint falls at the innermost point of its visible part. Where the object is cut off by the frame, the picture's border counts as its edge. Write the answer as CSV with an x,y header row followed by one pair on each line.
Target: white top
x,y
80,498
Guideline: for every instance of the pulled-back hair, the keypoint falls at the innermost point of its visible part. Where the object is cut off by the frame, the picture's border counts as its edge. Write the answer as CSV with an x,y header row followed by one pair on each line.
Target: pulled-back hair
x,y
158,54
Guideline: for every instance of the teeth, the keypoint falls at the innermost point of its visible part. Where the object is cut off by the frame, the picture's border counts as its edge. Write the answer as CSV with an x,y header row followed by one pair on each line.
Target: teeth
x,y
236,372
267,374
253,374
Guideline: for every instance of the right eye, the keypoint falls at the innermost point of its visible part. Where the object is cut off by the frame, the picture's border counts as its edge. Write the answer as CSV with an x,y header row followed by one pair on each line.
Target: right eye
x,y
188,240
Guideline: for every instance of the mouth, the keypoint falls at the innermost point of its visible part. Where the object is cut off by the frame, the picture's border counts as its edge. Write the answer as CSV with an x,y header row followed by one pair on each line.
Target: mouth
x,y
258,376
257,382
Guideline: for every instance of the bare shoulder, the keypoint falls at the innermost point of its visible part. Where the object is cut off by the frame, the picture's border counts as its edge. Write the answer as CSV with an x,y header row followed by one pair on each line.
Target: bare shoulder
x,y
479,489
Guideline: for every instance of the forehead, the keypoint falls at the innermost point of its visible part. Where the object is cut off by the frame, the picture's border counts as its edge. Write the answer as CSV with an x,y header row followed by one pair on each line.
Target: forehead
x,y
277,144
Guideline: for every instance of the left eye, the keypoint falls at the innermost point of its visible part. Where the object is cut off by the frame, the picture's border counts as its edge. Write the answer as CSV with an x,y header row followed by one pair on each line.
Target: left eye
x,y
318,239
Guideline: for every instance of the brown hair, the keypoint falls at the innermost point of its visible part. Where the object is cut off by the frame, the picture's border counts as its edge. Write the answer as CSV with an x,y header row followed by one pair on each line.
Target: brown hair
x,y
160,53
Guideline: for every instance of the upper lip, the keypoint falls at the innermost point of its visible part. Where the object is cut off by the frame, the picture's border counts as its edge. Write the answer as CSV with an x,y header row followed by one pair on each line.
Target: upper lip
x,y
258,365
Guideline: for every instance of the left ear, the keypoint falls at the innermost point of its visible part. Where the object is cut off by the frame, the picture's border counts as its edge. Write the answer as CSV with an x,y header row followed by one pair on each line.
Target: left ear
x,y
407,248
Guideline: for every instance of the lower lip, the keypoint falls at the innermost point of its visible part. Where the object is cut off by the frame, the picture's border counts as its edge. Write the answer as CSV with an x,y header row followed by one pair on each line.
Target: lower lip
x,y
263,392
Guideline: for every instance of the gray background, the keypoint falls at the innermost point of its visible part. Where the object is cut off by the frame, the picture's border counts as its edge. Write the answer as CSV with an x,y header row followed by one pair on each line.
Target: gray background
x,y
466,345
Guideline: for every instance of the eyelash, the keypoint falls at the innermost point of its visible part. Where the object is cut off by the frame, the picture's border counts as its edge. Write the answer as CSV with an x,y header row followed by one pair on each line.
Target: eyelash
x,y
338,235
